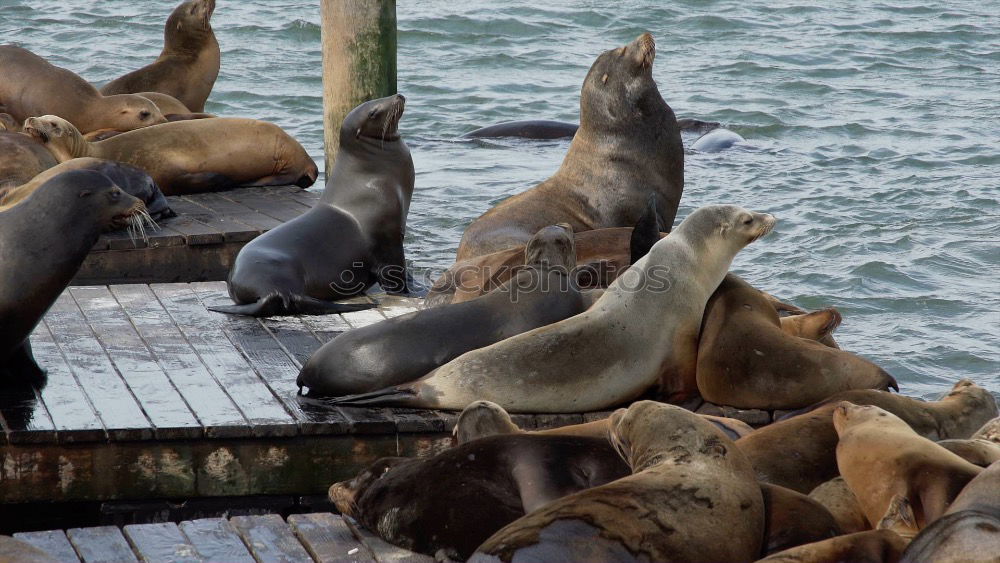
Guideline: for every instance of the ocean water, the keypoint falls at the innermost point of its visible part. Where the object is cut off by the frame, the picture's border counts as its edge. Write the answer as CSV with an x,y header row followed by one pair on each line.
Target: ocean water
x,y
872,133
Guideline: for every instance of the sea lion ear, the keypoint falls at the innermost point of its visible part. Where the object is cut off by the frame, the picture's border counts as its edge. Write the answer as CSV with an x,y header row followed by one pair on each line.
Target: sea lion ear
x,y
357,134
724,228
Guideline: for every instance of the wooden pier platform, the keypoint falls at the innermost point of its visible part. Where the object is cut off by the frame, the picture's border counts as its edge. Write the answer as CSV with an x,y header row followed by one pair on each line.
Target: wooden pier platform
x,y
304,538
200,243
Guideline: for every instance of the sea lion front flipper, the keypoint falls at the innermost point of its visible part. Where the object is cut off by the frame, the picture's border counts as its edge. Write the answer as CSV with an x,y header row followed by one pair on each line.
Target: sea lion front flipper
x,y
899,518
646,232
22,367
275,305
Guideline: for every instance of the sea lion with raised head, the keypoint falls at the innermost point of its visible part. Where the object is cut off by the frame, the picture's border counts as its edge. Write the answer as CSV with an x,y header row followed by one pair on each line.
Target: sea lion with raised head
x,y
692,496
627,147
453,501
643,331
350,239
31,87
189,63
186,157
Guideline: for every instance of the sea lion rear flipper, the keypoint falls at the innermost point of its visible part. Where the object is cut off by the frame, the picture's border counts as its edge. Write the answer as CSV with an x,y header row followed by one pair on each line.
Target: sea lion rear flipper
x,y
398,396
21,366
277,305
646,232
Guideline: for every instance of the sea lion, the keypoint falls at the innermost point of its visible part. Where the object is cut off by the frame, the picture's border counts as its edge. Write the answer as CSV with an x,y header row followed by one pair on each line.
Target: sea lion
x,y
792,519
692,496
132,180
186,157
21,159
627,147
171,108
350,239
31,86
189,63
642,331
407,347
838,498
717,140
884,462
875,546
38,258
19,551
798,452
547,129
815,325
974,450
745,359
9,124
453,501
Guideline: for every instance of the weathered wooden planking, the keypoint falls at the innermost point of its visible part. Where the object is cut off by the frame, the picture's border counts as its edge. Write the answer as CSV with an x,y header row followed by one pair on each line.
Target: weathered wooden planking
x,y
270,539
22,417
53,542
161,543
328,539
200,220
273,205
216,540
219,205
105,544
384,551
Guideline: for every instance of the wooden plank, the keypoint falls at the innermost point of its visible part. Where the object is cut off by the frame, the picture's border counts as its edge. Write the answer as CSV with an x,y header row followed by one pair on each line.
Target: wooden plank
x,y
275,205
358,319
394,305
122,240
104,544
384,551
216,540
164,406
53,542
203,331
161,543
294,335
328,539
202,392
112,400
206,220
163,236
326,327
270,539
306,197
220,206
195,232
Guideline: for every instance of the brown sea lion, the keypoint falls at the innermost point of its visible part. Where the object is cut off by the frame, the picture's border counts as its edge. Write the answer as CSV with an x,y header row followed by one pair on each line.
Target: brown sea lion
x,y
875,546
974,450
186,157
188,65
746,360
885,462
628,147
21,159
453,501
792,519
798,452
838,498
171,108
817,325
9,124
31,86
692,496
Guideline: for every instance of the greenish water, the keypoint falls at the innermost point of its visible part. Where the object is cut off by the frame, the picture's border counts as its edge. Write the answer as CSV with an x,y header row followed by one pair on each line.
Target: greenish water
x,y
872,130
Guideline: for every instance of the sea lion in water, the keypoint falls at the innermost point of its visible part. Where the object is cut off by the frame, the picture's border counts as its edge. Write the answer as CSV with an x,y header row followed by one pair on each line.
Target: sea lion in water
x,y
627,147
717,140
21,159
692,496
407,347
350,239
885,462
838,498
792,519
45,240
31,87
186,157
747,361
798,452
189,63
453,501
546,129
875,546
644,329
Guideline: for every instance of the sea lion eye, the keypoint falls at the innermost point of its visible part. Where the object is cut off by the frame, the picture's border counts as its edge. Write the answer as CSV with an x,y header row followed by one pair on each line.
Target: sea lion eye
x,y
748,220
372,113
144,114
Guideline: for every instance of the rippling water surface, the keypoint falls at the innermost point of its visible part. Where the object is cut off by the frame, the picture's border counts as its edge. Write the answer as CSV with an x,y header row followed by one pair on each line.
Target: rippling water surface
x,y
873,133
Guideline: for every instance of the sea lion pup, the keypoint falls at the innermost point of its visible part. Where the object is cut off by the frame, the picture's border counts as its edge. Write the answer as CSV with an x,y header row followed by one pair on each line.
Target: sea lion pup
x,y
186,157
171,108
453,501
817,325
21,159
19,551
798,452
644,329
350,239
189,63
838,498
628,145
31,86
38,258
692,496
792,519
746,361
874,546
885,462
407,347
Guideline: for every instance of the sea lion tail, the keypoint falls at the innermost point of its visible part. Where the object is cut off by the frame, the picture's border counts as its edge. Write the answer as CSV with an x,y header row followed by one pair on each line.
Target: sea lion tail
x,y
401,396
276,304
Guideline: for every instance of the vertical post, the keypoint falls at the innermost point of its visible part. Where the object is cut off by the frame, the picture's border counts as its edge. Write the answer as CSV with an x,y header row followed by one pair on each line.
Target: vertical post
x,y
359,61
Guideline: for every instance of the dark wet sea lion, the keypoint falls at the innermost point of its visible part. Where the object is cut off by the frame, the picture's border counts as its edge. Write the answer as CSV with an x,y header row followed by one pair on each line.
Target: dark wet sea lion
x,y
792,519
350,239
453,501
407,347
747,361
21,159
611,167
45,240
189,63
186,157
875,546
31,87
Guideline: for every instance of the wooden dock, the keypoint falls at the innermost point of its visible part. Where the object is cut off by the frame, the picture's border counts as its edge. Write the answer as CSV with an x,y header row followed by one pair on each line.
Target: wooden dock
x,y
304,538
200,243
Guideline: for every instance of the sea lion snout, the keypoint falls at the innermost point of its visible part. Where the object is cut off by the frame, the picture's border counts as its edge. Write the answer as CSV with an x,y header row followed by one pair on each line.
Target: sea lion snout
x,y
644,48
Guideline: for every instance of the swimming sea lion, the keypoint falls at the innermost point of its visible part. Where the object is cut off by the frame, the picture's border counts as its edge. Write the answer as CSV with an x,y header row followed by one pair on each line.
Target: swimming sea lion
x,y
798,452
838,498
792,519
45,240
188,65
692,496
186,157
407,347
31,86
350,239
453,501
817,325
884,461
875,546
628,146
717,140
746,361
644,329
21,159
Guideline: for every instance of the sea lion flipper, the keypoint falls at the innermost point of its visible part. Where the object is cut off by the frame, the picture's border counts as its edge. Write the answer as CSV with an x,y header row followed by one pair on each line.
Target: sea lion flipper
x,y
646,232
277,305
21,365
389,397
